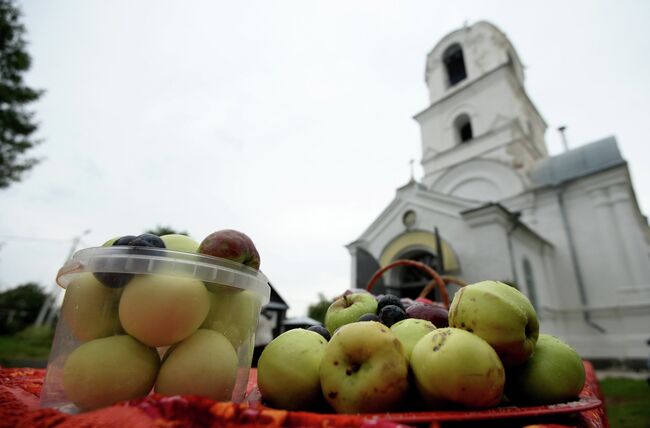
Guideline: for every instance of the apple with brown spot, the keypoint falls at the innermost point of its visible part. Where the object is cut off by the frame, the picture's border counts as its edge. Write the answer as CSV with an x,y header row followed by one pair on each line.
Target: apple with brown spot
x,y
364,369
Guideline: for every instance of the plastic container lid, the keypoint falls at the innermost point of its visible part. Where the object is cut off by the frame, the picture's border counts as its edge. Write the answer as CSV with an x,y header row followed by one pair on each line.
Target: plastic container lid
x,y
158,261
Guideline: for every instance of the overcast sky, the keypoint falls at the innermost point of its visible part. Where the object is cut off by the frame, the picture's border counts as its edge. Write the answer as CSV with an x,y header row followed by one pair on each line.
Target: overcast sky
x,y
288,120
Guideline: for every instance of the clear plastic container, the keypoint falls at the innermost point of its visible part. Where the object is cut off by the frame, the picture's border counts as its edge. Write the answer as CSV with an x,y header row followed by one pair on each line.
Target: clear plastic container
x,y
136,320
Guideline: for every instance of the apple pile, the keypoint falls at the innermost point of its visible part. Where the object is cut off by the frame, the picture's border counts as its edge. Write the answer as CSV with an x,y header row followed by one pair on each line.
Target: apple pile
x,y
176,335
375,355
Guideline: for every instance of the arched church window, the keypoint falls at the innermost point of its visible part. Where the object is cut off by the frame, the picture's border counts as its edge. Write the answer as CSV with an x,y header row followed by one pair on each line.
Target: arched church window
x,y
463,127
530,281
454,63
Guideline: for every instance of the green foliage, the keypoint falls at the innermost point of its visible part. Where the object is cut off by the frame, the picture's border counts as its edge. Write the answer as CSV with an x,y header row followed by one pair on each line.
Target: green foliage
x,y
627,402
41,334
165,230
16,122
26,349
317,310
19,307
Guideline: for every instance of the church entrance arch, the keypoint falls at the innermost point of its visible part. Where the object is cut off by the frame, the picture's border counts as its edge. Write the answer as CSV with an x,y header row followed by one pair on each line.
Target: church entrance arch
x,y
418,245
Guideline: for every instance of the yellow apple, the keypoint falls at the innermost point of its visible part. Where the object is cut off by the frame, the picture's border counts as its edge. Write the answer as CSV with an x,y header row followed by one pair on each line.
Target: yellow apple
x,y
90,308
453,366
288,370
364,369
107,370
161,310
204,364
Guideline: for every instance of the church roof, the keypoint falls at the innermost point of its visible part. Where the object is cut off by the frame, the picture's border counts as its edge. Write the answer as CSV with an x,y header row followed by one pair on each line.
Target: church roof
x,y
580,162
298,321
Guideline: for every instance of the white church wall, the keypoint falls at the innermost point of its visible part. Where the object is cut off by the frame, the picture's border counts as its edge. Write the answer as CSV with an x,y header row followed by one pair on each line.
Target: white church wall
x,y
480,180
526,247
487,102
544,294
487,255
430,212
484,48
610,244
496,108
548,224
623,311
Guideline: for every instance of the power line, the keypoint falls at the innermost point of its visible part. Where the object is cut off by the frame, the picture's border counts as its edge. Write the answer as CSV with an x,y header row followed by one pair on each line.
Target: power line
x,y
29,238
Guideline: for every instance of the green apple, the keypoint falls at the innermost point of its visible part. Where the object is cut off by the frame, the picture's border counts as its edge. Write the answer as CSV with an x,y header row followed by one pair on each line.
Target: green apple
x,y
364,369
178,242
204,364
107,370
501,315
554,374
233,312
453,366
288,370
348,308
410,330
161,310
110,242
90,309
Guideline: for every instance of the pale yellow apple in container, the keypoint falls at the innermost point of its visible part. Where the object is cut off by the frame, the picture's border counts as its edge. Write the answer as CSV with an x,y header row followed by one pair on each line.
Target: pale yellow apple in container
x,y
204,364
104,371
232,312
90,308
554,374
288,370
453,366
161,310
178,242
501,315
364,369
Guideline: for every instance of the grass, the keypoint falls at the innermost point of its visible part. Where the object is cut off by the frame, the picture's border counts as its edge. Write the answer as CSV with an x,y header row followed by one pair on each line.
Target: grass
x,y
28,346
627,402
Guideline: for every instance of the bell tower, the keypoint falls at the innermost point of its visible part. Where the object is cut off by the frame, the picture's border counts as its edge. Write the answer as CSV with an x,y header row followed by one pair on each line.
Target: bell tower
x,y
481,132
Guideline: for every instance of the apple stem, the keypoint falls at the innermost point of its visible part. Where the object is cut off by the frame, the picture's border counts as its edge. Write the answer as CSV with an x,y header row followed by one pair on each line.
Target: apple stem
x,y
347,301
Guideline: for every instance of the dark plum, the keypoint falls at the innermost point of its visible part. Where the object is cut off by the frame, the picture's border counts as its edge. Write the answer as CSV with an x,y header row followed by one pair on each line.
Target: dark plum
x,y
124,240
388,299
320,330
113,280
435,313
391,314
147,240
369,317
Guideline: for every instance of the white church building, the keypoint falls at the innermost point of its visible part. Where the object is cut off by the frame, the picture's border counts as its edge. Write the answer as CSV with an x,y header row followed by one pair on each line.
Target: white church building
x,y
566,230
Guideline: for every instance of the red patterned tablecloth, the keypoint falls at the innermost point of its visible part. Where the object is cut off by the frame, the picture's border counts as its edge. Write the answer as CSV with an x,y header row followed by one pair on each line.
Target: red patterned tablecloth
x,y
19,408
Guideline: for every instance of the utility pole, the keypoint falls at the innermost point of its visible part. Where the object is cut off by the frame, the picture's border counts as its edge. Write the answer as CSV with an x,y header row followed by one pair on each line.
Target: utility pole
x,y
48,307
562,129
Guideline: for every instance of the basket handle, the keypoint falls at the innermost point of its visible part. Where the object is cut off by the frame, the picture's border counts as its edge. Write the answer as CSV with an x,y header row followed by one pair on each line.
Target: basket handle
x,y
446,279
437,280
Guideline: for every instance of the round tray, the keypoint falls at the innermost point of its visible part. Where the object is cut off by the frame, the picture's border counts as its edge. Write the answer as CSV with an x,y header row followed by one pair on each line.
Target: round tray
x,y
585,402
